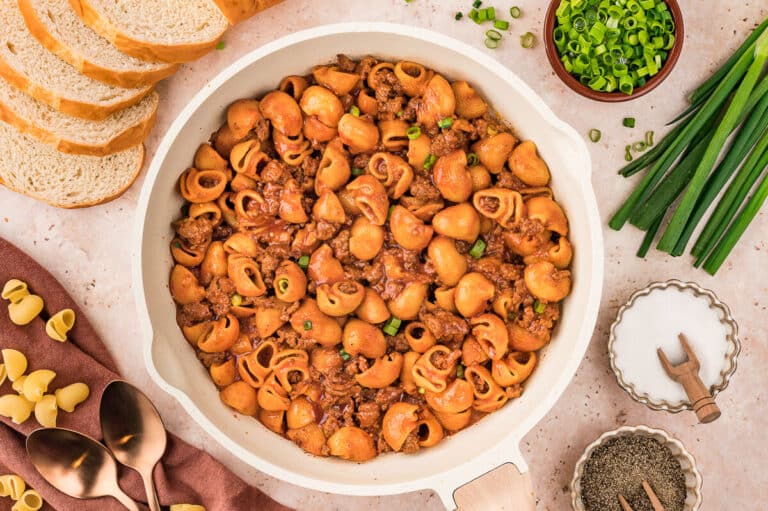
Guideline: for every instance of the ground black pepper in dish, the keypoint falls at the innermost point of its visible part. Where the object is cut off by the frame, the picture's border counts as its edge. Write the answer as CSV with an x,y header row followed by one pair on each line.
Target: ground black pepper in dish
x,y
621,464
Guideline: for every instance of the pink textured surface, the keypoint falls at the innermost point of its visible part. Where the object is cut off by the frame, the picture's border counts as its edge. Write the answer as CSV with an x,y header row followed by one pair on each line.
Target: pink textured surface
x,y
95,268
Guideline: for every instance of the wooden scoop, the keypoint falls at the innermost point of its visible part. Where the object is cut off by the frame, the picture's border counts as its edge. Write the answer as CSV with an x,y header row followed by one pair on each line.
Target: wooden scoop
x,y
687,373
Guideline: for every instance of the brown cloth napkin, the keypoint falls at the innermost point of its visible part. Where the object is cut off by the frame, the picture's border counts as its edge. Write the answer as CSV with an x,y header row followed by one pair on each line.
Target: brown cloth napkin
x,y
185,475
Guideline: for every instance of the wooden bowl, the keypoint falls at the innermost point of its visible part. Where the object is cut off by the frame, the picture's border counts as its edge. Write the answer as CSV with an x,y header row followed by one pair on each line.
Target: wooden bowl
x,y
612,97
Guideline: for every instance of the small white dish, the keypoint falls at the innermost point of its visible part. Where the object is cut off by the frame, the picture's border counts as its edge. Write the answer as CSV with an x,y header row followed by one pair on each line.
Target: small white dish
x,y
652,318
693,479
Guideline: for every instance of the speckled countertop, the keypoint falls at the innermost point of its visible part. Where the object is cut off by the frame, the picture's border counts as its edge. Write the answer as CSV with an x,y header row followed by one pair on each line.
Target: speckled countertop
x,y
89,251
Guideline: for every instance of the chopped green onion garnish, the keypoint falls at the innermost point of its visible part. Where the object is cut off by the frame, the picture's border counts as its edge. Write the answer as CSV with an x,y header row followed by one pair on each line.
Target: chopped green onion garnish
x,y
304,262
493,35
595,135
629,122
458,16
236,300
399,114
413,132
527,40
307,325
639,147
422,390
477,3
357,171
501,24
392,326
344,354
445,123
515,12
389,212
282,285
459,371
354,110
472,159
491,44
482,16
649,138
429,161
538,307
220,45
176,244
490,13
478,249
474,15
628,153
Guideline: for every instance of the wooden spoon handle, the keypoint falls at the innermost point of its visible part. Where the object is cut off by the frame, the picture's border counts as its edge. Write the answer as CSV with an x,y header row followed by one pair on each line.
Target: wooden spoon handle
x,y
702,401
502,488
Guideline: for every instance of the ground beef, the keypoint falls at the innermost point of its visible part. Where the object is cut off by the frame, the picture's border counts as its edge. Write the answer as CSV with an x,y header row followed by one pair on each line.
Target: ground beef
x,y
219,293
422,188
367,415
192,313
196,233
411,443
208,359
446,326
310,165
398,343
356,365
365,65
506,179
361,161
448,141
261,130
340,246
269,263
326,230
345,63
222,232
387,396
276,172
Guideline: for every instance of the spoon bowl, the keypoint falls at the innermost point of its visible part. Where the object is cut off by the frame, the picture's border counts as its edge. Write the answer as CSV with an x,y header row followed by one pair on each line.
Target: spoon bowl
x,y
76,464
133,431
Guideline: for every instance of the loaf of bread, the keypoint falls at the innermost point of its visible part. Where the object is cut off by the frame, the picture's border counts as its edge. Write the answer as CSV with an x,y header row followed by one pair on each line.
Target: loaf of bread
x,y
70,134
56,26
64,180
156,30
29,67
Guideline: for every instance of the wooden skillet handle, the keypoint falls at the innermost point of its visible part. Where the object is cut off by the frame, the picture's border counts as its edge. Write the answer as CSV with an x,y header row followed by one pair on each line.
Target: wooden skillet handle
x,y
504,488
702,401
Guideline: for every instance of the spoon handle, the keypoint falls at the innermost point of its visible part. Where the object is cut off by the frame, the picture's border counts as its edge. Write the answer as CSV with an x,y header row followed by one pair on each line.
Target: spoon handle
x,y
126,500
149,488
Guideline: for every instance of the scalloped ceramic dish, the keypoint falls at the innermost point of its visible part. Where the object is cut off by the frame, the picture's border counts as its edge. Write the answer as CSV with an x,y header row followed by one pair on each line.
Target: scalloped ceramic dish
x,y
693,480
730,351
461,458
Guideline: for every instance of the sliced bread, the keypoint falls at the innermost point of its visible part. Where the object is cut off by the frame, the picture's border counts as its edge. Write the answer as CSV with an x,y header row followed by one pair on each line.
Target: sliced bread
x,y
69,134
64,180
239,10
28,66
156,30
57,27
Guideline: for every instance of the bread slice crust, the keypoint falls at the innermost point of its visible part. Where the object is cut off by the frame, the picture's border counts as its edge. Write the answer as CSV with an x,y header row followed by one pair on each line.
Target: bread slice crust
x,y
149,51
120,78
240,10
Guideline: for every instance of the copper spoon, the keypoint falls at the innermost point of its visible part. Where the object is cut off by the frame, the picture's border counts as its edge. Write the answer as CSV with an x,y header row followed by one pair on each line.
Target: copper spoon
x,y
134,432
76,464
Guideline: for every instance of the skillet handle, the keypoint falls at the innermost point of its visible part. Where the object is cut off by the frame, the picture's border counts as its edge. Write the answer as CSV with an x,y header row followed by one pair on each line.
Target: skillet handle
x,y
506,487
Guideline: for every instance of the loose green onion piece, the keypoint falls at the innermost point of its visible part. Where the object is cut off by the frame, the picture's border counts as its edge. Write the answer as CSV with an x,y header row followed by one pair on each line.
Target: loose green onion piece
x,y
501,24
458,16
478,249
527,40
472,159
639,147
445,123
515,12
392,326
493,35
491,44
354,110
474,15
399,114
649,237
595,135
422,390
236,300
477,3
344,354
176,244
490,13
357,171
628,153
628,122
482,16
539,307
459,371
649,138
389,212
282,285
307,325
304,262
220,45
413,132
429,161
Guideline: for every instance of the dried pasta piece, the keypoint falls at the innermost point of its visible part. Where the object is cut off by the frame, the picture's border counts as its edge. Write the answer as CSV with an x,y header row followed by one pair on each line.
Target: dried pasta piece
x,y
16,407
46,411
187,507
12,486
15,363
24,311
67,398
30,500
36,384
3,374
60,324
14,290
18,385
